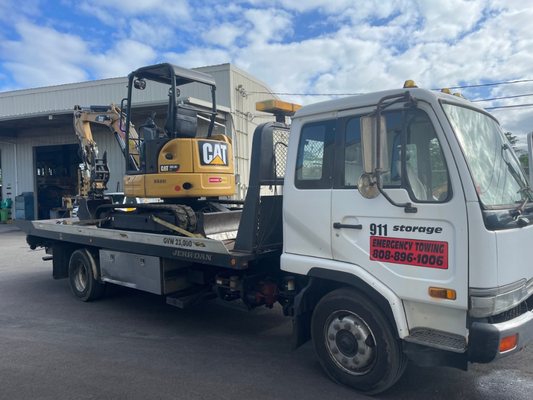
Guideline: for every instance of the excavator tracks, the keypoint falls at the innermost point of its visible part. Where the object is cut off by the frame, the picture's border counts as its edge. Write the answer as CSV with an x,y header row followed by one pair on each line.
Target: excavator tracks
x,y
177,218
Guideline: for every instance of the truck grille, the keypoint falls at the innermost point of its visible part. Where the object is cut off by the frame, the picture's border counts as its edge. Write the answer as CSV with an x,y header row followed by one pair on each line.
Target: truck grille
x,y
526,305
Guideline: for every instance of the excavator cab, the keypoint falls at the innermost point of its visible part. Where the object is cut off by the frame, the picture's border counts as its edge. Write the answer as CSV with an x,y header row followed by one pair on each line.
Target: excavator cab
x,y
174,161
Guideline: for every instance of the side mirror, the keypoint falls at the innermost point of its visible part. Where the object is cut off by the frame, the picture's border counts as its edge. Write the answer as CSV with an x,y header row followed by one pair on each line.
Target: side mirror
x,y
139,84
374,158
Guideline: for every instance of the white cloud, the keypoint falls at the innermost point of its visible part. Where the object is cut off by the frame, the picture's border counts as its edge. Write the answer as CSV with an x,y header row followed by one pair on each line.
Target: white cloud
x,y
124,57
268,25
364,45
11,10
445,20
152,33
152,22
43,56
198,57
170,9
222,35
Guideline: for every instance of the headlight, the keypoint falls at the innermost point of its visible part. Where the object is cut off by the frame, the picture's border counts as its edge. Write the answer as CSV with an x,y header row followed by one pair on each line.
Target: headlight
x,y
493,301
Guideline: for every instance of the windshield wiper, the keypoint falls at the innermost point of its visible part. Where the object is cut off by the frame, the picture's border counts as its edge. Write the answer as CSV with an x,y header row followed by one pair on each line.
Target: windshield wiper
x,y
525,190
516,212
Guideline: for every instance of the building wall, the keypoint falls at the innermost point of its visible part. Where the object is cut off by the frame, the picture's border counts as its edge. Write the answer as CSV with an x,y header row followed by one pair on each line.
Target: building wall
x,y
18,164
62,98
245,91
9,180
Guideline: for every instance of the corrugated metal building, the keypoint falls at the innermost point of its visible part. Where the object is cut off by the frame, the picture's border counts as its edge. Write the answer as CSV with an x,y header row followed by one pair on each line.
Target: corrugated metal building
x,y
36,124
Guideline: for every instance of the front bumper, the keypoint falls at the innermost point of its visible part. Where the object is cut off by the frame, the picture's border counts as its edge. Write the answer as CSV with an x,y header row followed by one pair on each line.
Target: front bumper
x,y
484,338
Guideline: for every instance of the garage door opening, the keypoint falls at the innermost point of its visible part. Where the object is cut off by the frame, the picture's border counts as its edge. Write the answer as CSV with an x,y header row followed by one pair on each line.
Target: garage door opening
x,y
1,189
56,177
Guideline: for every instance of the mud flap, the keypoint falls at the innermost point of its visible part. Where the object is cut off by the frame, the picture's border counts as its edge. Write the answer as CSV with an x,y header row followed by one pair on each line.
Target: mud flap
x,y
302,312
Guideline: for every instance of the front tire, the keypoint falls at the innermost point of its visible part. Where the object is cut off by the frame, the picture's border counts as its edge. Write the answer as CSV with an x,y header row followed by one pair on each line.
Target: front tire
x,y
355,342
81,277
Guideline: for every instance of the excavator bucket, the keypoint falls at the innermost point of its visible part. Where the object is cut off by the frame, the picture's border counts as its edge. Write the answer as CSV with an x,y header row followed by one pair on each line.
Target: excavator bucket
x,y
87,207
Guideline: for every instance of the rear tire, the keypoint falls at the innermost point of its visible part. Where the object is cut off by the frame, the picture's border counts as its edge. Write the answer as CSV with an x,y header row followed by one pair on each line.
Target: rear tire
x,y
355,342
81,277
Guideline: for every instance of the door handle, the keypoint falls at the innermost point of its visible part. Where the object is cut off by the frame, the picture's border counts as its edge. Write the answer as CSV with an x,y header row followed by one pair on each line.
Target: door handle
x,y
338,225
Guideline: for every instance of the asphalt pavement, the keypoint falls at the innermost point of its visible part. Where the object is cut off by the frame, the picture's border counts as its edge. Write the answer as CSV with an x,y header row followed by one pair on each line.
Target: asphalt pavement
x,y
131,345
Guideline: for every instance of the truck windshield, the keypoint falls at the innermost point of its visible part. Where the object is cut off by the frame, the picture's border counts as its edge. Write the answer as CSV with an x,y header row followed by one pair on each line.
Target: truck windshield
x,y
495,170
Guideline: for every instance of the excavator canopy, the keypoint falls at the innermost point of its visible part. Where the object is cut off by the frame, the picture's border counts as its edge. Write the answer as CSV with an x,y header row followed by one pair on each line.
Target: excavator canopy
x,y
166,72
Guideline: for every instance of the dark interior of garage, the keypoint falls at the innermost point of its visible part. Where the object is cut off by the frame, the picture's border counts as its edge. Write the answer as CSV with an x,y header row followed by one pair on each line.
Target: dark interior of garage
x,y
0,175
56,177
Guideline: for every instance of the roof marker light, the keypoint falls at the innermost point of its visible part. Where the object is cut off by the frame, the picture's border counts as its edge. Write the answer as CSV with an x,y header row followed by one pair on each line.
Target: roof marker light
x,y
409,83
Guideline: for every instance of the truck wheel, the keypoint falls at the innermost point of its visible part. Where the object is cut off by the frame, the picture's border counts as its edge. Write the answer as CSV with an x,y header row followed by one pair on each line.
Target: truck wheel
x,y
81,277
355,343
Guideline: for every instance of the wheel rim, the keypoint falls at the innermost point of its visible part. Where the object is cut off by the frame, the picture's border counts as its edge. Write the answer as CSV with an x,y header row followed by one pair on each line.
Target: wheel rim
x,y
350,342
80,278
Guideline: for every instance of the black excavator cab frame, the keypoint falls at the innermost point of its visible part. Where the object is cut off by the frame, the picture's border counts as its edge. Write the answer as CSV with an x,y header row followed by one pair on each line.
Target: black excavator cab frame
x,y
181,120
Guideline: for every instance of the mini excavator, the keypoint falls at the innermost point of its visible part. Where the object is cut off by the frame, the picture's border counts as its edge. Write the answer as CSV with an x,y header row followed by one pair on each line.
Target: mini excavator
x,y
172,161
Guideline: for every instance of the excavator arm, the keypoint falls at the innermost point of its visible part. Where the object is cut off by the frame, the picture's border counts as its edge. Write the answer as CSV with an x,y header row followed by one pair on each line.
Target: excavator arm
x,y
94,170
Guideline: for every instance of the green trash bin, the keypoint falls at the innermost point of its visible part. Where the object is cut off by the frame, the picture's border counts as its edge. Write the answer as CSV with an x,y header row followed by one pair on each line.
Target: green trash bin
x,y
4,215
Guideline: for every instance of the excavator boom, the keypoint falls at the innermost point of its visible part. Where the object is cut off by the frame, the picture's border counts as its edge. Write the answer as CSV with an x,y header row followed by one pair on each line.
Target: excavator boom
x,y
95,173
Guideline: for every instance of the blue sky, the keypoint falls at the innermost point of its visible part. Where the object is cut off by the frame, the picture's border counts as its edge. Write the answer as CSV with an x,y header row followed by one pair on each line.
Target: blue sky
x,y
303,46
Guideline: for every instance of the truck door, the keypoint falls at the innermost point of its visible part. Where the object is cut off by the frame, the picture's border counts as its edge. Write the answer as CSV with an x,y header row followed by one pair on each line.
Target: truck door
x,y
407,249
307,204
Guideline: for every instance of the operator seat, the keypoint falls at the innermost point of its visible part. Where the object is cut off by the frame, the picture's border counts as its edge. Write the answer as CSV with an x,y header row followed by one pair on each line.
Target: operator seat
x,y
186,122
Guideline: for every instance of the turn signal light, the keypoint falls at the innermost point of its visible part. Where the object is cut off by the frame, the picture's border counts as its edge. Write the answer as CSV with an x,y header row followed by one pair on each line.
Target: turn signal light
x,y
508,343
442,293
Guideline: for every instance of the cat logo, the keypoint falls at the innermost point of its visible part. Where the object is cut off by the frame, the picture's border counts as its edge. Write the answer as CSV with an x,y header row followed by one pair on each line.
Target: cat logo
x,y
213,153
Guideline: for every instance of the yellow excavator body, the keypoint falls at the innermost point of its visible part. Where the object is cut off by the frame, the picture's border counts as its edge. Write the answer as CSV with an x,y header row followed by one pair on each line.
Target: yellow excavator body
x,y
188,167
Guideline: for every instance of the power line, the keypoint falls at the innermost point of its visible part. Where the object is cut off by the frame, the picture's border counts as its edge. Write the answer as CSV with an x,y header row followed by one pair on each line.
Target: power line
x,y
510,106
503,97
359,94
308,94
489,84
452,87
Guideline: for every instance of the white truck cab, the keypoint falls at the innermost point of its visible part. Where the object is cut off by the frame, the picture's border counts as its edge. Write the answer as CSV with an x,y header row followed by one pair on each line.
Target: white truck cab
x,y
415,201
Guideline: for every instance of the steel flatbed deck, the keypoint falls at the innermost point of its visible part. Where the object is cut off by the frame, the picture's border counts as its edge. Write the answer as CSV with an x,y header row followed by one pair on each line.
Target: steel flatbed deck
x,y
45,233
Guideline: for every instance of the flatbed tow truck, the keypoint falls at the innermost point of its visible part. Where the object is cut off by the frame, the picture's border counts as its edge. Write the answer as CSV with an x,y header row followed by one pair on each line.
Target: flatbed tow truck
x,y
398,229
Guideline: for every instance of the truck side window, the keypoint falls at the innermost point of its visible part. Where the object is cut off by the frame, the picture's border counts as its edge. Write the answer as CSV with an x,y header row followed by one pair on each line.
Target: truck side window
x,y
416,160
424,165
314,161
353,160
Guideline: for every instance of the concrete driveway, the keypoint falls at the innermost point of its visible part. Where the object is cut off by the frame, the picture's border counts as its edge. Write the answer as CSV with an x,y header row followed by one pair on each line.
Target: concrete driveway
x,y
131,345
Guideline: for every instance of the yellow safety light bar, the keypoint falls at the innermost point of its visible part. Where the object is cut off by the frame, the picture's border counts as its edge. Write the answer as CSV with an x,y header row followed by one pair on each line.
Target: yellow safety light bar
x,y
446,90
277,107
409,83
